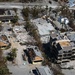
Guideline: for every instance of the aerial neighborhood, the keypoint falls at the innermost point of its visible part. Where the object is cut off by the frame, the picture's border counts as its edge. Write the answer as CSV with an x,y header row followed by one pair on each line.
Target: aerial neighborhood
x,y
37,37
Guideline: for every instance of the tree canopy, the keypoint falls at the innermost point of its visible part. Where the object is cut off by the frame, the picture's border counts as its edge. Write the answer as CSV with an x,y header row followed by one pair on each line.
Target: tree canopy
x,y
3,68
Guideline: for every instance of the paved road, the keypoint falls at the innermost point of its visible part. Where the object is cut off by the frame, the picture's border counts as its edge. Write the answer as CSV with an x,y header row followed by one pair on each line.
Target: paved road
x,y
23,5
72,8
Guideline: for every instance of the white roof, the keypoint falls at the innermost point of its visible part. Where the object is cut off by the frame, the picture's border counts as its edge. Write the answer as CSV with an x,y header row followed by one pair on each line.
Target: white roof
x,y
43,26
65,20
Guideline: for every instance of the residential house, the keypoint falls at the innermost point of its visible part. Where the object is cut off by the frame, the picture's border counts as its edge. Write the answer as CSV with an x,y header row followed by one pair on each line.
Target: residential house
x,y
35,55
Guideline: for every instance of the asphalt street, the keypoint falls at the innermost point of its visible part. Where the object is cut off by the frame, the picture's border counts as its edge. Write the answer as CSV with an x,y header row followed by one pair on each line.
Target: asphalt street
x,y
23,5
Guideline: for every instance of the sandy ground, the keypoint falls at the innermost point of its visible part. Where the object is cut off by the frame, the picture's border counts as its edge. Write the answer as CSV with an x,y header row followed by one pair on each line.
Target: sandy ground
x,y
15,44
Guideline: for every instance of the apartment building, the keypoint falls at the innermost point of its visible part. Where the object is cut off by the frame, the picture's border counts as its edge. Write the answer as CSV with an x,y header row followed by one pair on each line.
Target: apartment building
x,y
65,45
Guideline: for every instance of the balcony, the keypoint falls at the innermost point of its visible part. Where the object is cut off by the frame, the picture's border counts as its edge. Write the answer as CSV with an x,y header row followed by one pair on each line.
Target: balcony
x,y
65,60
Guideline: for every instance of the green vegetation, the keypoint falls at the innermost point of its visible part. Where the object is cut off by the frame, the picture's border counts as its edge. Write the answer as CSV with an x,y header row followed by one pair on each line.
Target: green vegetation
x,y
29,26
12,55
33,32
3,68
35,12
14,52
25,12
15,19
